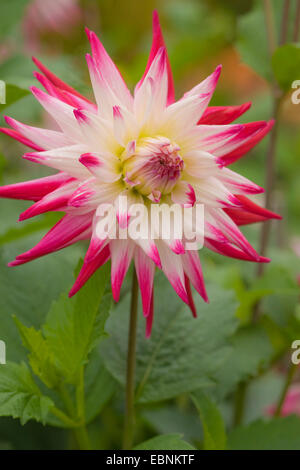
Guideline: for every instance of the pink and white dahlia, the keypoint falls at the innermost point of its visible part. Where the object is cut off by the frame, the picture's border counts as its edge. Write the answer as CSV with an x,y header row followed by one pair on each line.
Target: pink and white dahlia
x,y
150,149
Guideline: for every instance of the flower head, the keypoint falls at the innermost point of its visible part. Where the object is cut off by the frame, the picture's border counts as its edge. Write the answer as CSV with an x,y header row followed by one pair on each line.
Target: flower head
x,y
150,149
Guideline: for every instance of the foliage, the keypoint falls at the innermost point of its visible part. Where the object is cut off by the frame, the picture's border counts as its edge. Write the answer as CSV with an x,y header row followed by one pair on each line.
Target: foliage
x,y
66,358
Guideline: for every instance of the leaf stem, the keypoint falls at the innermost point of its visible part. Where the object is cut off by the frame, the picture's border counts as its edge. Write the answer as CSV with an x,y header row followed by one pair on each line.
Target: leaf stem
x,y
289,378
68,422
270,177
285,22
270,26
131,360
297,23
81,433
239,405
277,98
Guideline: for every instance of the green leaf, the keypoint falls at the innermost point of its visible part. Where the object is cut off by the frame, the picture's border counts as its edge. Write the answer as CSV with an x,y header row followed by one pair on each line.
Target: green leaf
x,y
28,291
212,422
16,232
20,397
40,358
171,418
251,352
182,353
276,434
286,65
11,13
165,442
13,94
99,386
74,326
252,42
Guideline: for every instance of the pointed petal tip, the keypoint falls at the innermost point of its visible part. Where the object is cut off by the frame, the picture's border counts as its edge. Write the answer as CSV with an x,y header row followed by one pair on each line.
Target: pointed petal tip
x,y
8,120
218,70
263,259
73,291
13,263
88,32
35,61
246,106
116,295
22,217
117,112
79,115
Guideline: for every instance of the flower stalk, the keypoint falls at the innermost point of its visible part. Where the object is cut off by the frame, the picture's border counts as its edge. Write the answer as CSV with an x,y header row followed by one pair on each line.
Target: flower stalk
x,y
287,383
131,362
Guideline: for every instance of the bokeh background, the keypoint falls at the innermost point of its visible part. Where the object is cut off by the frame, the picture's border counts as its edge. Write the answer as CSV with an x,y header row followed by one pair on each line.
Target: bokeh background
x,y
200,34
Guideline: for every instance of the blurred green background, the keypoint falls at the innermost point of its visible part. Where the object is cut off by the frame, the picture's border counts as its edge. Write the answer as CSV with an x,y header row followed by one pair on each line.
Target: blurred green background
x,y
199,35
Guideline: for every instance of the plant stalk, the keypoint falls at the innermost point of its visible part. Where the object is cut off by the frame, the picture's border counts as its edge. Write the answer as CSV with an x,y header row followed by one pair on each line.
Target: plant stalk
x,y
288,381
285,22
81,433
297,23
131,362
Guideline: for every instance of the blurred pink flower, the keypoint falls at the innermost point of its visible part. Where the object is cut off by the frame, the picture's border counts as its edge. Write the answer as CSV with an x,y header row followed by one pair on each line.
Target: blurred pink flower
x,y
151,149
291,404
43,17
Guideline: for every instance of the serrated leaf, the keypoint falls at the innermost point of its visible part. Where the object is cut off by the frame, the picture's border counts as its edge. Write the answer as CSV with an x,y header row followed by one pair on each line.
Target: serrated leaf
x,y
212,422
74,326
20,397
28,291
276,434
182,353
286,65
40,358
165,442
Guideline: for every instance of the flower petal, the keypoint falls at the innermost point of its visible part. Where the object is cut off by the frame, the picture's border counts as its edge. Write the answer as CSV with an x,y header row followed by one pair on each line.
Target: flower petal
x,y
45,139
67,231
145,273
172,267
192,268
223,114
109,70
34,190
157,43
121,256
88,269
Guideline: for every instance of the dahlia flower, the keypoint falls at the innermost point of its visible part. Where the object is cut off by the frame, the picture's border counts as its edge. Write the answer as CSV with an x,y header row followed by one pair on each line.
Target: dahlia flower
x,y
150,149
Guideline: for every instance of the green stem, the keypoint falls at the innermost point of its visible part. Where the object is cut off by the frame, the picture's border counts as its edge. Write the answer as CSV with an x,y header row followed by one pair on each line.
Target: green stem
x,y
81,433
270,25
288,381
285,22
297,23
68,422
240,398
130,380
